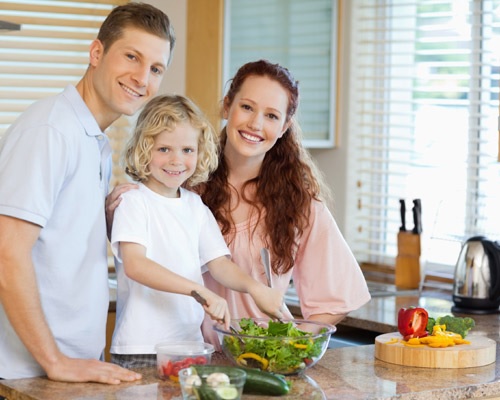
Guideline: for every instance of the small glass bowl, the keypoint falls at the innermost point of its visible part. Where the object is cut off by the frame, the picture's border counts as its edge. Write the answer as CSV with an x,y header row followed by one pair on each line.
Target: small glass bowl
x,y
171,357
223,384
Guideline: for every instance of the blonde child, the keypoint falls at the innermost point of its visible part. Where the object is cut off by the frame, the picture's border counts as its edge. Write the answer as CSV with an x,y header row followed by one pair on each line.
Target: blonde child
x,y
164,237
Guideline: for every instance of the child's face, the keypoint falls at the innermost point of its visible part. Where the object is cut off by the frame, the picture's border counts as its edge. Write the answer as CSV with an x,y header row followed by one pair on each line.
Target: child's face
x,y
174,158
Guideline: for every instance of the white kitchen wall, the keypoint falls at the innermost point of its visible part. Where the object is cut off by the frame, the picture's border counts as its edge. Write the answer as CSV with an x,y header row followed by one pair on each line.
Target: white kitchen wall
x,y
333,162
174,81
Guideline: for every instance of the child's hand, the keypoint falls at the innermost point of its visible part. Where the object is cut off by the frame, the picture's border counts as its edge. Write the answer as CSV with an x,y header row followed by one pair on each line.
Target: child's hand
x,y
269,301
216,307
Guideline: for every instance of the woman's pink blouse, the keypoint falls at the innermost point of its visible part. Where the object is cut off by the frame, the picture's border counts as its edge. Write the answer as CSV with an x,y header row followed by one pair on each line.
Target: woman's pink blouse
x,y
326,276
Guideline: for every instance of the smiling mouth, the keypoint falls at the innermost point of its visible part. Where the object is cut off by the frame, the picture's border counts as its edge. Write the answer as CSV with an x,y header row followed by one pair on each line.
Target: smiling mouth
x,y
130,91
175,173
251,138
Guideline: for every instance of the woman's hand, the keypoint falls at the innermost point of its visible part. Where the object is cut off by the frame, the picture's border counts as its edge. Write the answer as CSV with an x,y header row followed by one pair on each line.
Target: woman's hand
x,y
113,200
269,300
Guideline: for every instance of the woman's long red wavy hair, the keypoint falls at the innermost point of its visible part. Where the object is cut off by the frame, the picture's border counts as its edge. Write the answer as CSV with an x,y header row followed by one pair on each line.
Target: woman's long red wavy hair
x,y
287,183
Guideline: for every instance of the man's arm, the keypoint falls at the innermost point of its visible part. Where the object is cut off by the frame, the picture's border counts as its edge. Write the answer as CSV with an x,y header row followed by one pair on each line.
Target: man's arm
x,y
21,300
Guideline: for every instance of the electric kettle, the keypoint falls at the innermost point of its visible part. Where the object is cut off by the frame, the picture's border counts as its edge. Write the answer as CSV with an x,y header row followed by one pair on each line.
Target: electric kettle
x,y
476,287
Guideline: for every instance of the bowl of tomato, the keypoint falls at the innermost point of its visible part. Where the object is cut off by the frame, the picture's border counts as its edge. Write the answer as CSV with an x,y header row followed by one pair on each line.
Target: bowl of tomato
x,y
171,357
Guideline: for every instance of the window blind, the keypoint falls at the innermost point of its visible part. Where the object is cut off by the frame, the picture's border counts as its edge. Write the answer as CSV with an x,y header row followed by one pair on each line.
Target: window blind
x,y
423,117
49,52
301,35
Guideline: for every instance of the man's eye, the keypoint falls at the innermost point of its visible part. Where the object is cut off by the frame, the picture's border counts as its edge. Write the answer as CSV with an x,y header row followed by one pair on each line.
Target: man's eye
x,y
156,70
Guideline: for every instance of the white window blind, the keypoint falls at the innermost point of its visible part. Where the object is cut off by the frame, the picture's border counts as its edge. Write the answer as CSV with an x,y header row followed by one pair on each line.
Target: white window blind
x,y
423,123
301,35
49,52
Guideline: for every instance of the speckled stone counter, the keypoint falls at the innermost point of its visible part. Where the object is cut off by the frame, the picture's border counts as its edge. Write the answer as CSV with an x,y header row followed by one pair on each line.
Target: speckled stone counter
x,y
343,373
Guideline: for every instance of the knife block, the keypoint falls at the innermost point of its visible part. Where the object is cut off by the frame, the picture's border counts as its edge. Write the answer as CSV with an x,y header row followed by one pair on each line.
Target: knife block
x,y
407,270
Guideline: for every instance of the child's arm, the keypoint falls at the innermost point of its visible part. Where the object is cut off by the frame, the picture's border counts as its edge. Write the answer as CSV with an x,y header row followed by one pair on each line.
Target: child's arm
x,y
149,273
226,272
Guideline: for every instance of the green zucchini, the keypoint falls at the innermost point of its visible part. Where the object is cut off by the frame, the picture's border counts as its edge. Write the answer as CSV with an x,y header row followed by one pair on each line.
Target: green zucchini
x,y
257,382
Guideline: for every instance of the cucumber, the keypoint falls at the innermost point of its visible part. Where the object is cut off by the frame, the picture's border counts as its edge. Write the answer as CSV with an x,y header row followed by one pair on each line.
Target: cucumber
x,y
257,382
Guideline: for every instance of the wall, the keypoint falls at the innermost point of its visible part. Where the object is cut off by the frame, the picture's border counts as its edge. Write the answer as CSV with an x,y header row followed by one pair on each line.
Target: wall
x,y
175,79
333,162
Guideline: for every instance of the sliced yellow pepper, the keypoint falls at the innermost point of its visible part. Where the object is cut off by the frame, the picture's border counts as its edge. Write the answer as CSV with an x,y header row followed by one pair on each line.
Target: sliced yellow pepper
x,y
392,341
242,360
413,345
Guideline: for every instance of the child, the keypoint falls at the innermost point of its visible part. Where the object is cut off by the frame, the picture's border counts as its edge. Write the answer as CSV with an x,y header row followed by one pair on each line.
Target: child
x,y
163,234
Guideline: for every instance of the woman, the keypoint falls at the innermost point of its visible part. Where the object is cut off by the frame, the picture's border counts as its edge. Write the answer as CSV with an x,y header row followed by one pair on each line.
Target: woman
x,y
266,193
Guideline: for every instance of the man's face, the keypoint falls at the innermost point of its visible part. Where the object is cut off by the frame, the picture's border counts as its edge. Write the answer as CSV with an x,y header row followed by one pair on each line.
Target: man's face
x,y
125,77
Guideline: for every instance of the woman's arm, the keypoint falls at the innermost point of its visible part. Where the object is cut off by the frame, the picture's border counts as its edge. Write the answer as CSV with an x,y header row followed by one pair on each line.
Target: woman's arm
x,y
227,273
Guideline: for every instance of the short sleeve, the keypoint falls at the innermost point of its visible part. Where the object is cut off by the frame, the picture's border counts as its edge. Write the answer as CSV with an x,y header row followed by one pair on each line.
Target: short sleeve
x,y
212,243
37,158
327,277
129,222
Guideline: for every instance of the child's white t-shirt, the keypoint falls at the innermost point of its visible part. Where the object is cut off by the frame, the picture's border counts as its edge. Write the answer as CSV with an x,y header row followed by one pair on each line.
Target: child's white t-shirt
x,y
180,234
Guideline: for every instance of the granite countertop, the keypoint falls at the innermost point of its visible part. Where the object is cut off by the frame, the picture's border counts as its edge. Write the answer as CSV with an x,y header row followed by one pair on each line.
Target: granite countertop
x,y
343,373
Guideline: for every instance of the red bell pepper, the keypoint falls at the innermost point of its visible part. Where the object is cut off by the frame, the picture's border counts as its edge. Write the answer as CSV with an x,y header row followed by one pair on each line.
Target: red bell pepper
x,y
412,322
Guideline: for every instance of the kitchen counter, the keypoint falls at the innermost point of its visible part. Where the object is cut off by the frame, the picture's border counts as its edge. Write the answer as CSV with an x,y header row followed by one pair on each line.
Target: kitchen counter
x,y
343,373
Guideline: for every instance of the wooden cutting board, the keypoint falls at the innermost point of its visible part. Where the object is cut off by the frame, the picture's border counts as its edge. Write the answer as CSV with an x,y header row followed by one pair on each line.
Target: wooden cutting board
x,y
481,351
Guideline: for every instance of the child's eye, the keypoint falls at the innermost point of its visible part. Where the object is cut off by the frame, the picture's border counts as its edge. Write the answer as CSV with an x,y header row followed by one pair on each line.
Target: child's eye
x,y
189,150
163,149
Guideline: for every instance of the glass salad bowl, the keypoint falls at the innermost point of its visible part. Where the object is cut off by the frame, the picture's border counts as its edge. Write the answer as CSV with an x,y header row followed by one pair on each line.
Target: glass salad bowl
x,y
284,347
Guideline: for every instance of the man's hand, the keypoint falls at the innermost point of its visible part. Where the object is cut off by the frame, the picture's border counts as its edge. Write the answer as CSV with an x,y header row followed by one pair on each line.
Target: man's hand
x,y
77,370
113,200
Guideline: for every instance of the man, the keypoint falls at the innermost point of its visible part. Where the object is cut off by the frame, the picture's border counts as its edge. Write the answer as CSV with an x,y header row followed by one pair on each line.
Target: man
x,y
54,173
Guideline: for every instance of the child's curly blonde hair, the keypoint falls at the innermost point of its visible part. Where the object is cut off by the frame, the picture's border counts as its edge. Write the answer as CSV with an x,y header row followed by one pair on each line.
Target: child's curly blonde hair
x,y
164,113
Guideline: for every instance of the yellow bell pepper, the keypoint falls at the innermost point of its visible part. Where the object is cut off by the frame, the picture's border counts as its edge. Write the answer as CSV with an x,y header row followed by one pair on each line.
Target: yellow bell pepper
x,y
242,360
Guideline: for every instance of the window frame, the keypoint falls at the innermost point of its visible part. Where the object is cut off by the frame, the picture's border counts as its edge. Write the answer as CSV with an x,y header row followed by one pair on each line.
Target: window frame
x,y
331,139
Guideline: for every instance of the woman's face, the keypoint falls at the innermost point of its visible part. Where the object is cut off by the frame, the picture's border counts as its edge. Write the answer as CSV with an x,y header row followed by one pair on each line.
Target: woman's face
x,y
256,119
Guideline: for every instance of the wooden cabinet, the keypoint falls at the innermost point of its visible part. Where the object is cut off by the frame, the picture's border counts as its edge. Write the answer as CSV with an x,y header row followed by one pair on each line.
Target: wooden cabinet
x,y
110,326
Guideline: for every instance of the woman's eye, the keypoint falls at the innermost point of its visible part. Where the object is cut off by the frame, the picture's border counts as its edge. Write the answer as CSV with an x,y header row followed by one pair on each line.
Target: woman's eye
x,y
131,56
273,116
246,107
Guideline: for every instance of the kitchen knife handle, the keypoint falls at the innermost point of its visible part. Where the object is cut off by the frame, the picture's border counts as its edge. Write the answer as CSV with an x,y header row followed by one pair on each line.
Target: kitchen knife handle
x,y
402,211
198,297
417,216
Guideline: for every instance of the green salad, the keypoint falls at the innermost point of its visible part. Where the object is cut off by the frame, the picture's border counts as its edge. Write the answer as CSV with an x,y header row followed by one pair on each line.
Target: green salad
x,y
286,350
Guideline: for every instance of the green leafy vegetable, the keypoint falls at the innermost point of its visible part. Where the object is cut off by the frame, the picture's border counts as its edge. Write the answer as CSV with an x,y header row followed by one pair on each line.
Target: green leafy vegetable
x,y
280,353
459,325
